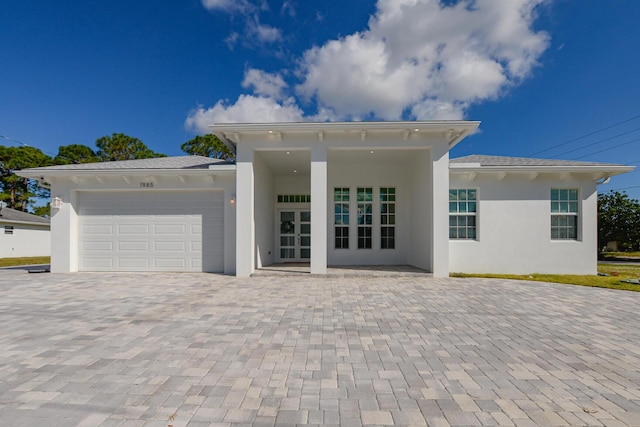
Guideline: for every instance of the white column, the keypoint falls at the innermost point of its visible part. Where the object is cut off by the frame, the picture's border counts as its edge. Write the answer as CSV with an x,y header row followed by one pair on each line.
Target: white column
x,y
245,226
64,231
440,206
318,210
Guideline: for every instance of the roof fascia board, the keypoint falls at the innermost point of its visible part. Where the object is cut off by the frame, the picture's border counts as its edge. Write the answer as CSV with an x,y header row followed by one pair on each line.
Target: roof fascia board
x,y
474,167
435,126
37,173
10,221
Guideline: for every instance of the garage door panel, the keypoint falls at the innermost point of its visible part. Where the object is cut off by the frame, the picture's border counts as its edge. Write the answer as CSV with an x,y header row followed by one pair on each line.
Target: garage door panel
x,y
170,246
98,246
133,263
98,263
151,231
133,246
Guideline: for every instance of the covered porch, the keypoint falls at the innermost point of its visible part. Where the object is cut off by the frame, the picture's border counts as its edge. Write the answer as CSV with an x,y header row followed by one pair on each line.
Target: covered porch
x,y
334,196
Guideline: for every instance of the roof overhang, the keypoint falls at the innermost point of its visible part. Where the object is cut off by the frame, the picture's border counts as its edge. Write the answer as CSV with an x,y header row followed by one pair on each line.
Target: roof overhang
x,y
38,224
452,130
39,173
601,171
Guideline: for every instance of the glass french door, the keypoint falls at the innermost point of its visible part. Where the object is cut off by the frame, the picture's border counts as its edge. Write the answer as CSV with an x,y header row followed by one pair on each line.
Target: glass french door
x,y
295,235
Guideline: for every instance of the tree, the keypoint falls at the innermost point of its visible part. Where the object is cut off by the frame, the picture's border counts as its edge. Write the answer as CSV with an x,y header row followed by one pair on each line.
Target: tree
x,y
618,220
75,153
208,146
44,211
17,191
123,147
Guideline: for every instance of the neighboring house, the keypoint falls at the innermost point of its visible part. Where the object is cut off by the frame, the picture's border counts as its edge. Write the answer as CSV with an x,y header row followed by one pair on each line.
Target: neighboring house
x,y
23,234
358,193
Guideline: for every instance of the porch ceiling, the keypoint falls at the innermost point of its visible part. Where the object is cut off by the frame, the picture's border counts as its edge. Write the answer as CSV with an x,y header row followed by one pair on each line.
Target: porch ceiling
x,y
287,162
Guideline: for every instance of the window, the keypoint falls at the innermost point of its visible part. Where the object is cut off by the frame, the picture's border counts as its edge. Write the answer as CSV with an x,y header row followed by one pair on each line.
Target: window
x,y
463,206
297,198
564,214
365,217
387,218
8,229
341,217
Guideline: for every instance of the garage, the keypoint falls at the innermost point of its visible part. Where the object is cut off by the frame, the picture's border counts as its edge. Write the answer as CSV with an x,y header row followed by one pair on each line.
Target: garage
x,y
151,231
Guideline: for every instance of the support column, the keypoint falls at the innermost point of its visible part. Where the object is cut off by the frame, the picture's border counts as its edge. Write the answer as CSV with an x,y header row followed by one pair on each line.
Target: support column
x,y
245,226
440,206
318,210
64,231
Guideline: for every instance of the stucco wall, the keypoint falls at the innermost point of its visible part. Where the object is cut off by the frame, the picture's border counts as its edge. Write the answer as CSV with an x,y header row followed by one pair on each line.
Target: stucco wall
x,y
264,214
514,222
26,241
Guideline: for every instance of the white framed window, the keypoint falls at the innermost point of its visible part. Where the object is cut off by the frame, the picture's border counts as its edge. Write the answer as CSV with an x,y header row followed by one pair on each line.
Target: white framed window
x,y
365,217
564,213
341,217
387,217
463,213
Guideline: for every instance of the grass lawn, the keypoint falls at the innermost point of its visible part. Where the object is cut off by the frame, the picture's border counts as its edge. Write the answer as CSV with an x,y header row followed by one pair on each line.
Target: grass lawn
x,y
11,262
617,272
621,254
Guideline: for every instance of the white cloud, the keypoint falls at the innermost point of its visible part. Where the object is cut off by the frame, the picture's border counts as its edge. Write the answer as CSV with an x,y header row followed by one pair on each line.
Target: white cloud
x,y
228,5
263,33
425,58
247,109
271,85
416,59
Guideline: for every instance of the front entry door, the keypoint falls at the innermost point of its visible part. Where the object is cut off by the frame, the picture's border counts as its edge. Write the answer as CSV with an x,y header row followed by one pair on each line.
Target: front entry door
x,y
295,235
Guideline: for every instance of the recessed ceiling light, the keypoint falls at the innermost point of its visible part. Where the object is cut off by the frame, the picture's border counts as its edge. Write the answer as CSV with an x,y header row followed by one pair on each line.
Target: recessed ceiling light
x,y
270,131
371,152
295,171
417,130
288,152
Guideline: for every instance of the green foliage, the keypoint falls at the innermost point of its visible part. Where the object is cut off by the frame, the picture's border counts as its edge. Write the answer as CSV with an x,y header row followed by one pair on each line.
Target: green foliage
x,y
19,192
618,220
75,153
207,146
43,211
123,147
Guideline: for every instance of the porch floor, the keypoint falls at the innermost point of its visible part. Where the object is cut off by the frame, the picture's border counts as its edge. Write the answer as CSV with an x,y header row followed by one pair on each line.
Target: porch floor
x,y
304,268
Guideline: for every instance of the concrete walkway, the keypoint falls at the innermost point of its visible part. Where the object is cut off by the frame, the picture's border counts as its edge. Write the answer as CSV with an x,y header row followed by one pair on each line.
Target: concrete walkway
x,y
208,350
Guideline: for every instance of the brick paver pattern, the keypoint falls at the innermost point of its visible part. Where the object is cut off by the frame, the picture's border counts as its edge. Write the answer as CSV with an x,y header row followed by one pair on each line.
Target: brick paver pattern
x,y
207,350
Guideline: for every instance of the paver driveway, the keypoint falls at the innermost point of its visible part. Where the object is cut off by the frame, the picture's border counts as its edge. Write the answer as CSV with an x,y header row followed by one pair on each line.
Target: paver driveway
x,y
198,349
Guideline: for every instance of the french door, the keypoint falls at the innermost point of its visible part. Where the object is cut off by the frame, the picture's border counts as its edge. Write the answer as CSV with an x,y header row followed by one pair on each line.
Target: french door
x,y
295,235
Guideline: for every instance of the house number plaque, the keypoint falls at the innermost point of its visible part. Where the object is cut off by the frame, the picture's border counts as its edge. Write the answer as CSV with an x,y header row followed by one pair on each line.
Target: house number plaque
x,y
146,185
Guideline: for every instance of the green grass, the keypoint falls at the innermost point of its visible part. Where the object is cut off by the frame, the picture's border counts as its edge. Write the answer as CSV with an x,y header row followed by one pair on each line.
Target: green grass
x,y
621,254
617,272
11,262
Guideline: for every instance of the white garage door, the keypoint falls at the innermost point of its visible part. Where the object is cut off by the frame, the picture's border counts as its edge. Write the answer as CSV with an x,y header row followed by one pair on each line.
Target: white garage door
x,y
151,231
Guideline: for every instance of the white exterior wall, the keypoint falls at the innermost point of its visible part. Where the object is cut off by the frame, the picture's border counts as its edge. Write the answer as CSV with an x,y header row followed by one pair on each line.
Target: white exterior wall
x,y
26,241
421,218
264,215
514,227
64,221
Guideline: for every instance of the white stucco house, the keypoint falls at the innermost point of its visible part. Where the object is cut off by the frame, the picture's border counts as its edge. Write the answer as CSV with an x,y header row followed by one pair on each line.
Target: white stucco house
x,y
23,234
356,193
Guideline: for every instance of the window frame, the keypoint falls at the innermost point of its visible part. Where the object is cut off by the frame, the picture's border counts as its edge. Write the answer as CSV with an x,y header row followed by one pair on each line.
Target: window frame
x,y
466,214
340,228
560,213
364,211
388,212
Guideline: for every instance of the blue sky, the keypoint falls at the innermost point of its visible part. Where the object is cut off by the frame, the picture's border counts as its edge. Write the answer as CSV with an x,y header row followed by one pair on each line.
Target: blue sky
x,y
537,73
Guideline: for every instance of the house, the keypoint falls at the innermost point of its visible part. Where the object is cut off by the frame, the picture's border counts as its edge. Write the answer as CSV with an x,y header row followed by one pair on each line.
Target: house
x,y
23,234
356,193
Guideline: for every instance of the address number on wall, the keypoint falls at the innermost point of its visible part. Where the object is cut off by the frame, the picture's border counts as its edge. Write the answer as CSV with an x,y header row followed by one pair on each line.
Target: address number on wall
x,y
146,185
